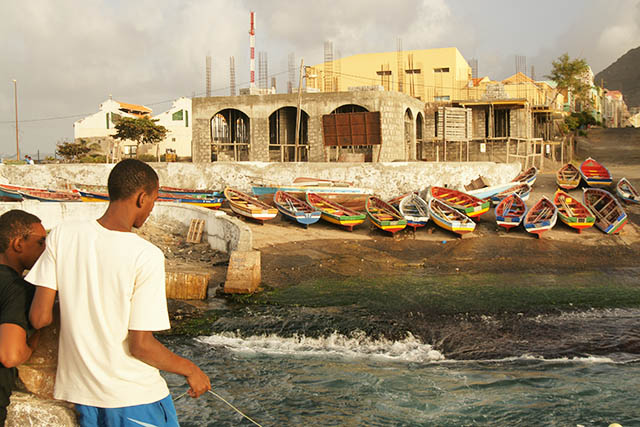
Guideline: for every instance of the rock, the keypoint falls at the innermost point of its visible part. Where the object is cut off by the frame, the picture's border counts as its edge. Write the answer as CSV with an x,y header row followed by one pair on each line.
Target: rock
x,y
243,273
29,410
38,374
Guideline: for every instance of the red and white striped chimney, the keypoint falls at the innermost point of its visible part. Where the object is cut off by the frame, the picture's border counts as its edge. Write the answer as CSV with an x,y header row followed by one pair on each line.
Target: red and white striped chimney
x,y
252,50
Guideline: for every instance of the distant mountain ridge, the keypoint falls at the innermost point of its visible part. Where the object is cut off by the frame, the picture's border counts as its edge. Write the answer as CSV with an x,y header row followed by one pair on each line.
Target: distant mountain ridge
x,y
624,75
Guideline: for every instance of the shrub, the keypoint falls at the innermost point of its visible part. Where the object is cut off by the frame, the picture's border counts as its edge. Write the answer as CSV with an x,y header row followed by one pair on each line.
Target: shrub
x,y
147,158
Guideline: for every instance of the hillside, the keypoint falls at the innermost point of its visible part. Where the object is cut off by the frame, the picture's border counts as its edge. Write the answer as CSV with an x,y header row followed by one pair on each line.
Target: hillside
x,y
624,75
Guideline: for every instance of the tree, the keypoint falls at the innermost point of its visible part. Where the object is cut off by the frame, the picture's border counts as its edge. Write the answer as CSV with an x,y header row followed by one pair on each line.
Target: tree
x,y
71,150
571,75
141,131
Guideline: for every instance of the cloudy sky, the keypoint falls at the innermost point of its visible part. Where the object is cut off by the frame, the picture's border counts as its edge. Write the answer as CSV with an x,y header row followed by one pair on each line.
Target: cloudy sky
x,y
69,55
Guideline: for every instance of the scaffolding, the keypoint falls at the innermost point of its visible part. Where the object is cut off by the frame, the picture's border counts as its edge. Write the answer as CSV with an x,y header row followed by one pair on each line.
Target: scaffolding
x,y
232,76
263,72
328,66
208,76
400,61
292,72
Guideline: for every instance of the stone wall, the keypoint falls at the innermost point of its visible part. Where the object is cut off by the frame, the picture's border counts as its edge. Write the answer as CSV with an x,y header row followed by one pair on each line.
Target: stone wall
x,y
385,179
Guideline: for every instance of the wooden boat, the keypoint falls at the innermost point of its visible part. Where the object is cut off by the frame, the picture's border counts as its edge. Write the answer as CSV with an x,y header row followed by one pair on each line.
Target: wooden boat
x,y
626,192
395,201
50,195
595,174
384,216
248,206
510,211
190,192
9,193
541,217
295,209
335,213
522,189
449,218
489,192
469,205
415,210
321,181
610,216
529,176
90,196
568,177
17,193
349,197
572,212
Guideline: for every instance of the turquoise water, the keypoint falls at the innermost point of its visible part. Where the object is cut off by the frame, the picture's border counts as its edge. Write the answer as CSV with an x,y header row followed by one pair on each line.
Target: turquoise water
x,y
354,381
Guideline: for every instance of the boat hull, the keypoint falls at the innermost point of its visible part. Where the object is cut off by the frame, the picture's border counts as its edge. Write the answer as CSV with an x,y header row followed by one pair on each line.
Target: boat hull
x,y
460,226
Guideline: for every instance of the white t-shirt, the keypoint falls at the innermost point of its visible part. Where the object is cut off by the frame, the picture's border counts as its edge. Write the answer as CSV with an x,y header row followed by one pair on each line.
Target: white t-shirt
x,y
108,282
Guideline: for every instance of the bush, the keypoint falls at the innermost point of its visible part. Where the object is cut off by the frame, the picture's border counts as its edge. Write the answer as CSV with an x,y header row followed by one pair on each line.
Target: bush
x,y
147,158
98,158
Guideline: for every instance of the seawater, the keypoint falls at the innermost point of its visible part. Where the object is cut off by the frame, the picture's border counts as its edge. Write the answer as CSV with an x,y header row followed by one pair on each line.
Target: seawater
x,y
358,381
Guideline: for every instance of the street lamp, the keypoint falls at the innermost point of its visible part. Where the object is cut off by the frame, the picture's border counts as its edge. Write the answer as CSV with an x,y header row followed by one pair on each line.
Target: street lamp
x,y
15,95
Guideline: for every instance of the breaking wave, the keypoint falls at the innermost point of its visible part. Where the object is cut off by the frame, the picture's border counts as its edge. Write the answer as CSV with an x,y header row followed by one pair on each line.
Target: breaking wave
x,y
355,346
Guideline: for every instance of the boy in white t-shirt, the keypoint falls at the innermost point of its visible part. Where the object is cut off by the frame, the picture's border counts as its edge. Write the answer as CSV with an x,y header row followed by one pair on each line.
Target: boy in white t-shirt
x,y
111,288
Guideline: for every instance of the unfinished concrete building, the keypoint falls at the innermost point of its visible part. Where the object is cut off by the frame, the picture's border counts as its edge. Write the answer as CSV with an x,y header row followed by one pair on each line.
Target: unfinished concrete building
x,y
370,126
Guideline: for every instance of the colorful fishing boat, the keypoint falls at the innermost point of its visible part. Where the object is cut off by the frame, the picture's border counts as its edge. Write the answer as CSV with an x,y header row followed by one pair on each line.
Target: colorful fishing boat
x,y
627,192
449,218
568,177
296,210
572,212
522,189
489,192
467,204
90,196
248,206
541,217
610,216
510,211
214,203
384,216
349,197
395,201
190,192
9,193
335,213
415,210
595,174
50,195
529,176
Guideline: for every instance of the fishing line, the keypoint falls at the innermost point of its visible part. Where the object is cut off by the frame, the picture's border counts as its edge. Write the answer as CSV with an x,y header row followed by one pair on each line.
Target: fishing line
x,y
221,398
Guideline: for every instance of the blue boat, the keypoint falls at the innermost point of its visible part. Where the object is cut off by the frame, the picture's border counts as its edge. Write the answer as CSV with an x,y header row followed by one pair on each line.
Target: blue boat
x,y
296,210
10,194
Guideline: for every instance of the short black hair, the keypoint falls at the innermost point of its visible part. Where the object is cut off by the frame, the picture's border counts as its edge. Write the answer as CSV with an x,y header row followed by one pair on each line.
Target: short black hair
x,y
15,223
128,177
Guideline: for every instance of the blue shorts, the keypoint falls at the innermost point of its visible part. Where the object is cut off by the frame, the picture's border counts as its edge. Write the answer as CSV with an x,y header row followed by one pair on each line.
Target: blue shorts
x,y
157,414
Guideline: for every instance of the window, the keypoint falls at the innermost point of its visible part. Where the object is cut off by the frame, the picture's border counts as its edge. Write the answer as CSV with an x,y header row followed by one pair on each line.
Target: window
x,y
442,98
441,70
173,140
177,115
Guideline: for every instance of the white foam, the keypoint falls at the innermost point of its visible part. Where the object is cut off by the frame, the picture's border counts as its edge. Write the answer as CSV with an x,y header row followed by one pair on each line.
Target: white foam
x,y
355,346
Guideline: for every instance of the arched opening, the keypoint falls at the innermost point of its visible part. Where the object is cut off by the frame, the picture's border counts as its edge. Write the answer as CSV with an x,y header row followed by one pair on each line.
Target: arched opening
x,y
282,136
420,155
408,133
351,153
230,136
350,108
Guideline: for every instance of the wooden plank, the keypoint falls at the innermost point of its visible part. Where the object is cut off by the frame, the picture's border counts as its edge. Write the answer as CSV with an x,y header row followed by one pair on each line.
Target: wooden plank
x,y
196,228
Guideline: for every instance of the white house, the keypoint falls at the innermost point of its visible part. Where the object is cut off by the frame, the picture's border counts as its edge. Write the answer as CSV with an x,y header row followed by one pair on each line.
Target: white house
x,y
178,121
100,127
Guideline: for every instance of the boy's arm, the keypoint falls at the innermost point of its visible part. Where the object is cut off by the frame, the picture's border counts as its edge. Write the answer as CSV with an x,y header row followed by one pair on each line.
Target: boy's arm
x,y
41,313
14,348
145,347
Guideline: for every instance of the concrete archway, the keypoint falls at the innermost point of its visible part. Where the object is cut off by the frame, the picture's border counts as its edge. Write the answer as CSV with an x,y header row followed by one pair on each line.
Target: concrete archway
x,y
230,135
282,135
350,108
409,135
419,136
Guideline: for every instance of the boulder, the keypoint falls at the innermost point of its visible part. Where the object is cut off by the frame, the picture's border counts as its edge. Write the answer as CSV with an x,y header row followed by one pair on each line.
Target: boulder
x,y
29,410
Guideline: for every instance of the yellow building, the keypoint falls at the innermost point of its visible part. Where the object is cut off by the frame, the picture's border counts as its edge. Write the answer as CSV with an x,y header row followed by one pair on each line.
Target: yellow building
x,y
428,74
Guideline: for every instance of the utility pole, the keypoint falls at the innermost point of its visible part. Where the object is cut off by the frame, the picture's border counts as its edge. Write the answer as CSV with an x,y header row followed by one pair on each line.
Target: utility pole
x,y
298,111
15,95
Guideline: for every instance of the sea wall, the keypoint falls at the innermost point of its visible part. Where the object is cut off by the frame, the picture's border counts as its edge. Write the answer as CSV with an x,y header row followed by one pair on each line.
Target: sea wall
x,y
222,232
385,179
